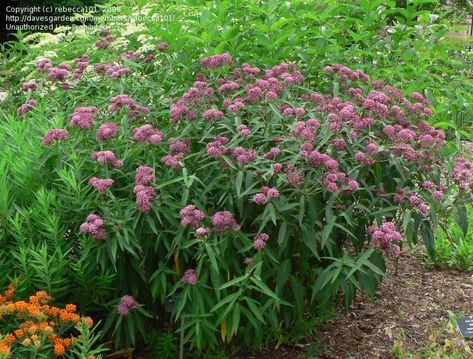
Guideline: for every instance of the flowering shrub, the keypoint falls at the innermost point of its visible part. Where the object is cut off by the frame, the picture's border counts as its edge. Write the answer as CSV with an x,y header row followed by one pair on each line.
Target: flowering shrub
x,y
258,197
34,328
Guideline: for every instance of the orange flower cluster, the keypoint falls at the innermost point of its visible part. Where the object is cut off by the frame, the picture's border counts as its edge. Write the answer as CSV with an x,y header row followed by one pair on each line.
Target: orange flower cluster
x,y
38,322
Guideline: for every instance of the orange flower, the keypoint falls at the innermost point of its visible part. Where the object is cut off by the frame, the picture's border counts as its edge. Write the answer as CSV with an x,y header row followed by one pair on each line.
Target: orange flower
x,y
59,349
71,308
88,322
10,339
19,333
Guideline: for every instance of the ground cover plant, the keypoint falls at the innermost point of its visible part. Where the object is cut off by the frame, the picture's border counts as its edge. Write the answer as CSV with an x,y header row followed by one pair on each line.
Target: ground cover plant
x,y
228,195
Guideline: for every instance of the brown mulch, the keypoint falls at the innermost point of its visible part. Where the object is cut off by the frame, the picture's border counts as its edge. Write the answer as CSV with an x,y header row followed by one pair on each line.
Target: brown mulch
x,y
416,301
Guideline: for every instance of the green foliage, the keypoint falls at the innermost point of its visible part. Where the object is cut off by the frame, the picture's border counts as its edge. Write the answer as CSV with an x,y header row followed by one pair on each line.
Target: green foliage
x,y
316,253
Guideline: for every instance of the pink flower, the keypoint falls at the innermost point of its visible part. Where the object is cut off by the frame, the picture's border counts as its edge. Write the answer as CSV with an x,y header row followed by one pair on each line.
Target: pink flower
x,y
173,161
83,117
213,114
95,226
272,153
101,184
202,232
224,221
144,196
190,277
107,131
243,156
162,47
179,146
217,148
26,107
215,61
144,175
384,237
259,241
244,131
57,134
30,85
259,198
107,158
127,303
147,133
191,216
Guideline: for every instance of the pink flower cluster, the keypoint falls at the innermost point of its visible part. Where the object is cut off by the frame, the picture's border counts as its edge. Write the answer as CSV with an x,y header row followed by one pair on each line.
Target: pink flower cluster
x,y
217,148
202,232
385,238
107,158
179,146
345,73
127,303
200,92
259,241
215,61
125,101
43,65
173,161
95,226
101,184
147,134
29,85
104,43
144,175
143,192
338,180
107,131
244,131
297,111
57,74
213,114
462,173
266,194
224,222
57,134
306,131
83,117
272,153
116,71
242,155
82,63
26,107
162,47
189,277
191,216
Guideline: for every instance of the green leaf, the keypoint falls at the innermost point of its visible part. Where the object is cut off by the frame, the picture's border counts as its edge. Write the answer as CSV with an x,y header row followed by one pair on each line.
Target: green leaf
x,y
428,237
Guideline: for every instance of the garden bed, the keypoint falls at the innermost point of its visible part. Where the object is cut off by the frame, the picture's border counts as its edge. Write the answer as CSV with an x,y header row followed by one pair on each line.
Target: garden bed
x,y
415,301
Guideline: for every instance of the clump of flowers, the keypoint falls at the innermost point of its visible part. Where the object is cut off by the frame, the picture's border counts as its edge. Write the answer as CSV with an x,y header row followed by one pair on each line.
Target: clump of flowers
x,y
56,134
101,184
125,101
386,238
107,158
26,107
127,303
95,226
107,131
215,61
191,216
37,326
225,221
147,133
189,277
29,85
259,242
143,191
83,117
